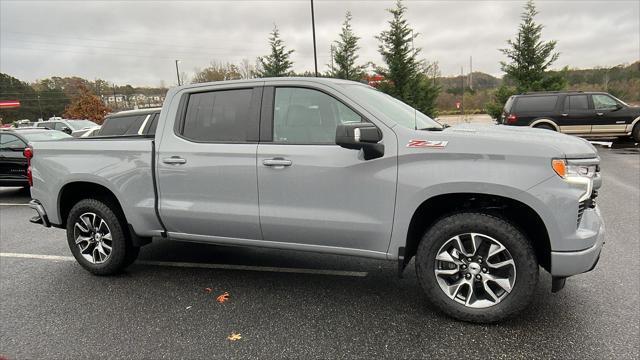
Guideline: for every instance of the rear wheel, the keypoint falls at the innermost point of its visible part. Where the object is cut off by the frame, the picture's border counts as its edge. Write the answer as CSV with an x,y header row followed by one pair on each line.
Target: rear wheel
x,y
97,237
476,267
545,126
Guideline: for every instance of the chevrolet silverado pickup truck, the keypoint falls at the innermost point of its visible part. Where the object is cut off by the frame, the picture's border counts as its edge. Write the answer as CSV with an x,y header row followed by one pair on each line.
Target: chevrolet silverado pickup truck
x,y
337,167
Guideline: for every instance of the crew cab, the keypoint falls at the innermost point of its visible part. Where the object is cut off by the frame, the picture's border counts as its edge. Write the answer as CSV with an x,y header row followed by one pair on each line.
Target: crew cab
x,y
336,167
586,114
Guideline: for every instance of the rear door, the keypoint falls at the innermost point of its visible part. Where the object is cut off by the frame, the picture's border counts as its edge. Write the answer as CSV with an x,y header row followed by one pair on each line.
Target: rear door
x,y
312,191
577,116
13,164
207,164
608,118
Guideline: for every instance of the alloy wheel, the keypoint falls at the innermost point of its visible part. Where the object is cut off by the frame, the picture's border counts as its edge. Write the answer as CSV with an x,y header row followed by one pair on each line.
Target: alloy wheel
x,y
93,238
475,270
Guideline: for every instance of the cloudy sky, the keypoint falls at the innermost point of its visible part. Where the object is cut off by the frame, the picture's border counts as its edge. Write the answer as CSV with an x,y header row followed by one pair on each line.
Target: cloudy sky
x,y
137,42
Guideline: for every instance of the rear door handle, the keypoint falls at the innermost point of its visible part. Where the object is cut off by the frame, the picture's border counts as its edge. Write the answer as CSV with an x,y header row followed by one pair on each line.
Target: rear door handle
x,y
174,160
599,114
565,115
277,162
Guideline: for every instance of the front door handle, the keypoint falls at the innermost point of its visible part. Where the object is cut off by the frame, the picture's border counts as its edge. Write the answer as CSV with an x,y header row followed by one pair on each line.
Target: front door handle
x,y
277,162
174,160
564,115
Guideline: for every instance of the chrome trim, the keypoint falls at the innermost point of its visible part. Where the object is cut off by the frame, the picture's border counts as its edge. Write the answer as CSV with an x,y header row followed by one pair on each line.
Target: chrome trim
x,y
35,205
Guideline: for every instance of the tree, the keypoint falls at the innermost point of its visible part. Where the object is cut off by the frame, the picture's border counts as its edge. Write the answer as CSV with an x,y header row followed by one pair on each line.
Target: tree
x,y
217,71
277,63
86,105
530,58
405,75
345,55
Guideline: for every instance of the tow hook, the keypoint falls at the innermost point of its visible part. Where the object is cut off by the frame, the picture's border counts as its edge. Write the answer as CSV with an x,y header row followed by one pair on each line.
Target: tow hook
x,y
557,283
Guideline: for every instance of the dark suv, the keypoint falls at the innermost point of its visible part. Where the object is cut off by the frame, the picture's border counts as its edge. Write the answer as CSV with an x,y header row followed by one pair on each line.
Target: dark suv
x,y
588,114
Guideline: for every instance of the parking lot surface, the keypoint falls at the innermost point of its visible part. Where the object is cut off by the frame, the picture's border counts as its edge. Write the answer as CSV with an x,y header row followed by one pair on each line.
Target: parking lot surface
x,y
287,304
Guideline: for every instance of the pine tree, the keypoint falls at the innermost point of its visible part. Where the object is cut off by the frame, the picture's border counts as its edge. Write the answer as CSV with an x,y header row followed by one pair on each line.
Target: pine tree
x,y
405,75
530,57
277,63
345,55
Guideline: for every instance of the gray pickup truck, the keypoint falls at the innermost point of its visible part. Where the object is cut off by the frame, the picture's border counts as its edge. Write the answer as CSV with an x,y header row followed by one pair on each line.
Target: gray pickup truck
x,y
335,167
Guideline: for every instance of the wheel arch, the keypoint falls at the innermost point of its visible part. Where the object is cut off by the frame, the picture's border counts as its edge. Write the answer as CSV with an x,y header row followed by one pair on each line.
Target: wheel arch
x,y
72,192
545,121
518,213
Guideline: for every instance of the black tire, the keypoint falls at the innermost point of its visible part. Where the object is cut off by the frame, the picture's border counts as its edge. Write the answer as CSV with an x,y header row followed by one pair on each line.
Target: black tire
x,y
508,235
122,254
635,133
544,126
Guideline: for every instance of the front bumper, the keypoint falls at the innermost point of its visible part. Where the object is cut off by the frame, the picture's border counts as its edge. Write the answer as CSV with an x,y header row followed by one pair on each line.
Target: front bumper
x,y
568,263
41,218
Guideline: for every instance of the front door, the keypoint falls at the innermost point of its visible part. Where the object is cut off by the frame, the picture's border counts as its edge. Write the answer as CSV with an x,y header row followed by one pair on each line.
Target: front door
x,y
608,118
313,192
207,165
577,115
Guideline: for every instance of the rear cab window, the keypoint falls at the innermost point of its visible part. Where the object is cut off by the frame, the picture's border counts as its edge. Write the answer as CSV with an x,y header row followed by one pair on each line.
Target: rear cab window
x,y
122,125
536,103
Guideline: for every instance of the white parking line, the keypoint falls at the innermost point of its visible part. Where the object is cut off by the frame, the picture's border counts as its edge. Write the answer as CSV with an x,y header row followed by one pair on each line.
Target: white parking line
x,y
12,204
203,265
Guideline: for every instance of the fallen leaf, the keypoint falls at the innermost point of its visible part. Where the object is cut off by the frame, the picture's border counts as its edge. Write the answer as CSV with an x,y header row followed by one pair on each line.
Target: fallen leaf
x,y
222,298
234,337
208,290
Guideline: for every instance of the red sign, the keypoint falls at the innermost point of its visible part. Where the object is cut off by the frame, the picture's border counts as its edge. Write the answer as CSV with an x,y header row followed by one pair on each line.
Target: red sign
x,y
457,104
9,104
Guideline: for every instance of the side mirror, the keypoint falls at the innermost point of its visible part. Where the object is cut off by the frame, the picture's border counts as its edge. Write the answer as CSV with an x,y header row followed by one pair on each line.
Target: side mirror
x,y
362,135
67,130
619,106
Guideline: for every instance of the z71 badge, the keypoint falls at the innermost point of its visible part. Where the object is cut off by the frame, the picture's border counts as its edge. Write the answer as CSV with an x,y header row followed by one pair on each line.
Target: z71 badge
x,y
427,144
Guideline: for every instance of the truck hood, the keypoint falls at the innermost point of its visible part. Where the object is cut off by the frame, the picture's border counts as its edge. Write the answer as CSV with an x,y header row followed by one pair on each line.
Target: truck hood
x,y
571,147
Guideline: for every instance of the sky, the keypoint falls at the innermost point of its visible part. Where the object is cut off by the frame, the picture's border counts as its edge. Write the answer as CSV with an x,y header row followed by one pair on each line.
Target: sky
x,y
137,42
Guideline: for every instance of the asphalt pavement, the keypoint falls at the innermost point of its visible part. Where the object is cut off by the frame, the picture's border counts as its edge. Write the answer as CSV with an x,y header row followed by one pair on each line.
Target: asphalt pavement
x,y
287,304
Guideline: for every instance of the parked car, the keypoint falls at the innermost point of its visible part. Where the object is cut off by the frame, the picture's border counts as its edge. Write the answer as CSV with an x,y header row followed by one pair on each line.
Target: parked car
x,y
91,132
131,122
336,167
13,163
74,128
587,114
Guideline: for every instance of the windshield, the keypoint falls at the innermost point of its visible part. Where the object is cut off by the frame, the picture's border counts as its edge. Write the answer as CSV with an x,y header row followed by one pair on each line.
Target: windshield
x,y
81,124
394,109
44,135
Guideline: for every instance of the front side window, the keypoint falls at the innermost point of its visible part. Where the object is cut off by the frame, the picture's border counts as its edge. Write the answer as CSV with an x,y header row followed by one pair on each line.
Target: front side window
x,y
576,102
218,116
306,116
10,142
604,102
59,126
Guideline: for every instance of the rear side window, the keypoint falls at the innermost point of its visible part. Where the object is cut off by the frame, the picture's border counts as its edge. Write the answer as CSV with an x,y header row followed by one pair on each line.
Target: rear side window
x,y
536,103
122,125
508,105
9,142
218,116
576,102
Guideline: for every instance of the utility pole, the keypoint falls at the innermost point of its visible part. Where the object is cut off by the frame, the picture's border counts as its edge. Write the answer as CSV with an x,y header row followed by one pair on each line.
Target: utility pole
x,y
471,72
333,71
40,107
462,88
313,30
178,72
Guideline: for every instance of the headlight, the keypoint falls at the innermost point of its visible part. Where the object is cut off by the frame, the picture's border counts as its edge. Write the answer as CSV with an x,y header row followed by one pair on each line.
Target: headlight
x,y
576,174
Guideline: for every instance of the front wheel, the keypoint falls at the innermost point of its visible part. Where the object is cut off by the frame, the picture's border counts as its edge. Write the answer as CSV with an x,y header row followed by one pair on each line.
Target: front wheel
x,y
635,134
476,267
97,238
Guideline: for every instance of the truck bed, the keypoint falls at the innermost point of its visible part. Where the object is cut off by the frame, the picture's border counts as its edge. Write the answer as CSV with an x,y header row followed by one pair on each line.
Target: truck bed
x,y
122,165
